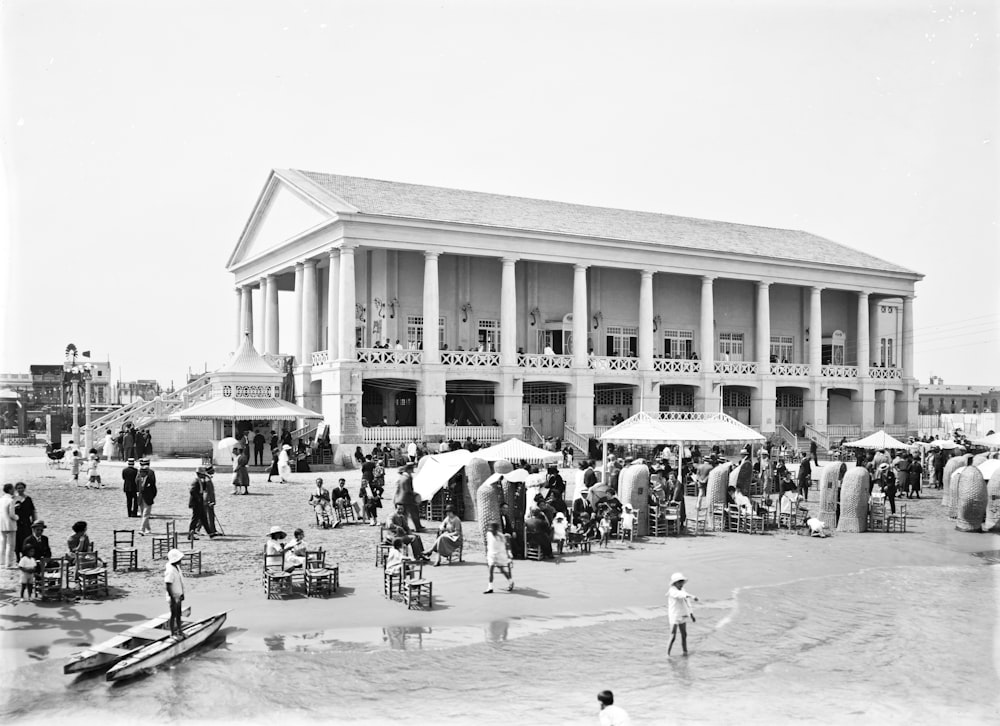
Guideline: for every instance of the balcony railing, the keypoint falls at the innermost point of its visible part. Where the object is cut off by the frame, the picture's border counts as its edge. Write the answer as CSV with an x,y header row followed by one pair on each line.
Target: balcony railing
x,y
388,357
885,374
489,434
321,357
469,358
676,365
839,371
736,368
392,434
611,363
536,360
791,369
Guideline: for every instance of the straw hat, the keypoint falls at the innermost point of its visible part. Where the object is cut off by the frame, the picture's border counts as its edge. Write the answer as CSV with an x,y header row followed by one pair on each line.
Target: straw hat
x,y
174,556
677,577
277,530
38,524
286,447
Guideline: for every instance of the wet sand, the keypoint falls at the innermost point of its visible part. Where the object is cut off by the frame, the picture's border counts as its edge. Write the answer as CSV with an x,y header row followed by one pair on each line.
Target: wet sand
x,y
623,581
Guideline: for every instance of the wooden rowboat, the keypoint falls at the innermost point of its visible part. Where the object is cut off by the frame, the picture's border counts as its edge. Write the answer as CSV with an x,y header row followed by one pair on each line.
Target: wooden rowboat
x,y
106,654
162,651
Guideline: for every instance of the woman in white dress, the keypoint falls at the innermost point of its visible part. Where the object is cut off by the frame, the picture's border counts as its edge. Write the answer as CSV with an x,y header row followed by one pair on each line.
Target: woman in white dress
x,y
109,446
284,468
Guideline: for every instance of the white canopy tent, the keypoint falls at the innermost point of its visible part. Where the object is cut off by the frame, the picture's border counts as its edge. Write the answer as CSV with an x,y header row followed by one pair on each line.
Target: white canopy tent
x,y
681,427
878,440
515,450
991,440
434,471
232,409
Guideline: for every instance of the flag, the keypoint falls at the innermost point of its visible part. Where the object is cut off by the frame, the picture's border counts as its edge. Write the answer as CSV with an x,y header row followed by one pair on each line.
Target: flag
x,y
85,354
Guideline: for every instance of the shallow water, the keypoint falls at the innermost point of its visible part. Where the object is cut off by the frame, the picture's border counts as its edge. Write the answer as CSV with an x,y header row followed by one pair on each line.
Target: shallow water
x,y
904,645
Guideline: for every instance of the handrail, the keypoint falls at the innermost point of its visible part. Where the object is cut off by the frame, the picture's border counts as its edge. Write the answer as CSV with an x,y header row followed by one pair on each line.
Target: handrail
x,y
578,440
818,436
536,438
787,436
166,404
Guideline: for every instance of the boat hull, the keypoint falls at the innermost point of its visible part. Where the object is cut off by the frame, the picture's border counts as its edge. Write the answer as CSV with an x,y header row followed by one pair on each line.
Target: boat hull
x,y
106,654
160,652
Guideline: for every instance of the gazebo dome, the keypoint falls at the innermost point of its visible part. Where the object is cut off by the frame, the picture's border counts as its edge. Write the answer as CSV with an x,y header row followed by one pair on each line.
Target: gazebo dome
x,y
246,375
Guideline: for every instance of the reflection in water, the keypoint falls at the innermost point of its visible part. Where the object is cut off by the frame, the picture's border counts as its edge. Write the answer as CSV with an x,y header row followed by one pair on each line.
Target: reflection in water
x,y
399,636
274,642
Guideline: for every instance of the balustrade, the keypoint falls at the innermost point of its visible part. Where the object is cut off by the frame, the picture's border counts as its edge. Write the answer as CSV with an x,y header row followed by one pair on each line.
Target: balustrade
x,y
388,357
738,368
790,369
469,358
613,363
391,434
489,434
839,371
544,361
321,357
676,365
885,374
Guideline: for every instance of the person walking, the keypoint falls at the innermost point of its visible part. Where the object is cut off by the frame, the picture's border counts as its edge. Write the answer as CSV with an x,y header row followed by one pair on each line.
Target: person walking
x,y
8,527
208,494
805,476
24,510
173,579
128,443
284,464
497,557
146,484
679,610
196,503
130,486
813,451
241,474
109,445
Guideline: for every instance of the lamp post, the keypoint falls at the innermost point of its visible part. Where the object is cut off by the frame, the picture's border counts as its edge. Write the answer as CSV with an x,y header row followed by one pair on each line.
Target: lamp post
x,y
88,434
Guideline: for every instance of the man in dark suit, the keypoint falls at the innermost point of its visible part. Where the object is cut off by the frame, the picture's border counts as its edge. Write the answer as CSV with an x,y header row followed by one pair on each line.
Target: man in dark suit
x,y
258,448
131,488
38,540
399,526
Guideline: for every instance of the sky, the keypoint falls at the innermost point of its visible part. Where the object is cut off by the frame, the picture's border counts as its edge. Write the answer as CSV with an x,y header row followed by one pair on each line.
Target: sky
x,y
136,137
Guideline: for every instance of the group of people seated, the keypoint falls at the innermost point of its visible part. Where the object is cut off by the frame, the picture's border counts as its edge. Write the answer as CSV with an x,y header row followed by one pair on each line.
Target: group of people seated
x,y
331,505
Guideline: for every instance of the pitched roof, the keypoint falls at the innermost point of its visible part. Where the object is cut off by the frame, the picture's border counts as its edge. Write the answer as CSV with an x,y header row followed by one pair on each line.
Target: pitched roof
x,y
248,360
416,201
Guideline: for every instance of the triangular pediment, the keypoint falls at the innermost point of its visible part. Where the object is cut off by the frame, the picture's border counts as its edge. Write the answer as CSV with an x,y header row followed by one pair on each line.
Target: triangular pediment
x,y
282,213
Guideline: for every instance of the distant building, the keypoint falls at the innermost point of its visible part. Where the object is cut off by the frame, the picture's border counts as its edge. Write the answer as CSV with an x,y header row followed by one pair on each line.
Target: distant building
x,y
936,397
127,392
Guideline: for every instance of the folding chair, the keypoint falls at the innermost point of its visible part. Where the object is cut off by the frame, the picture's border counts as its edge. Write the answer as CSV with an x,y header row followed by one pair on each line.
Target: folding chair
x,y
124,549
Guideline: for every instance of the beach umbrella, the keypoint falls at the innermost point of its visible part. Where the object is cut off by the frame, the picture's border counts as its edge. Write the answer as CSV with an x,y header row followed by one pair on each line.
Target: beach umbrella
x,y
944,444
227,444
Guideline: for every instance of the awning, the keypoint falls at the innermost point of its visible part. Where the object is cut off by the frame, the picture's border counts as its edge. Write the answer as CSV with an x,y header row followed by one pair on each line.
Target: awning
x,y
228,409
988,467
878,440
434,471
515,450
682,426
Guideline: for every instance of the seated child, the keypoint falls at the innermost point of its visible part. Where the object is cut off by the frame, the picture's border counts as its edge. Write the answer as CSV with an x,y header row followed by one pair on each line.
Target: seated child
x,y
394,560
588,527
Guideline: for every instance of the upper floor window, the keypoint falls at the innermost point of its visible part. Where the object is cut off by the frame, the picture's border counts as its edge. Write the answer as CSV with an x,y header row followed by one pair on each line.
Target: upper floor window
x,y
730,346
488,338
782,349
415,332
622,341
678,343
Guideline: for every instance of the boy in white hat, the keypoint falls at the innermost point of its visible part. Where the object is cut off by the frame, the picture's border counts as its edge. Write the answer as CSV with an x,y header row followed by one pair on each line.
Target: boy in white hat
x,y
173,578
679,610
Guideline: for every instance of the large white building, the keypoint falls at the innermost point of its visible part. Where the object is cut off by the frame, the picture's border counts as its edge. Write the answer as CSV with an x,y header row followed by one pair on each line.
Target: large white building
x,y
532,313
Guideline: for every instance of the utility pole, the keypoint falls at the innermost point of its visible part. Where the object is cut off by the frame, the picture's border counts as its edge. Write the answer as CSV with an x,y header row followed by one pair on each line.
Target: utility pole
x,y
88,390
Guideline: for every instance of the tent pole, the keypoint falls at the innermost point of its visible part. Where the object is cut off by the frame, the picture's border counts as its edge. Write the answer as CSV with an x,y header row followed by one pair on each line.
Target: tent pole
x,y
604,462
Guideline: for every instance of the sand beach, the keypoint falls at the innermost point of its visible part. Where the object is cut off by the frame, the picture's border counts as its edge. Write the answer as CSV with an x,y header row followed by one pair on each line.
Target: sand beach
x,y
563,600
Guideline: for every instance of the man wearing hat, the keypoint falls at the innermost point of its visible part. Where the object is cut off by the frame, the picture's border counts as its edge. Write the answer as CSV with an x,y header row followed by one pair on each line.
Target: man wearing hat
x,y
196,503
146,486
38,540
407,497
131,488
173,579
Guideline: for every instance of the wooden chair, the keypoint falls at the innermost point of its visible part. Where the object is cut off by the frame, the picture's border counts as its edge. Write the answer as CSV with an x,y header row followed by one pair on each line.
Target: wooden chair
x,y
752,522
191,557
346,513
534,552
733,518
418,594
162,544
275,580
317,577
49,578
90,574
672,519
393,583
718,517
657,527
124,549
876,517
897,522
382,546
698,525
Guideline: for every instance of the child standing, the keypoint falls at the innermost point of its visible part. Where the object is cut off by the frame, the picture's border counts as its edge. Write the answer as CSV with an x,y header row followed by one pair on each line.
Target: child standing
x,y
27,565
605,529
497,556
679,610
94,479
559,531
628,522
74,464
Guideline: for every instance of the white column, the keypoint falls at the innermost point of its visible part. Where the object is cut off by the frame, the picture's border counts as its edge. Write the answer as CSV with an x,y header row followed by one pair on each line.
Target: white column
x,y
816,330
580,316
271,315
508,313
907,344
875,344
239,317
346,303
333,307
432,308
646,320
297,311
248,312
707,325
310,311
763,327
862,335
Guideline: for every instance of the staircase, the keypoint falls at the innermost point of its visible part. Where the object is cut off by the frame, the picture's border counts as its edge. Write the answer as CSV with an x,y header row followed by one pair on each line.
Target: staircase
x,y
142,413
578,442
